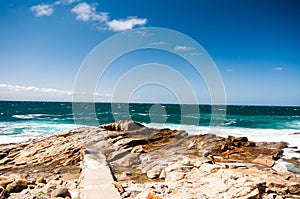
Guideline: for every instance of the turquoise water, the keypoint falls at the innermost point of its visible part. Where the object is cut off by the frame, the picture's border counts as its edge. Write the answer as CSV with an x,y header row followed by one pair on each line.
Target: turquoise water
x,y
266,117
22,120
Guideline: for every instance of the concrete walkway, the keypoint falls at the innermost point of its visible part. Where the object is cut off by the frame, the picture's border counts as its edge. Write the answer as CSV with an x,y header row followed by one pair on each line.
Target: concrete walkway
x,y
97,179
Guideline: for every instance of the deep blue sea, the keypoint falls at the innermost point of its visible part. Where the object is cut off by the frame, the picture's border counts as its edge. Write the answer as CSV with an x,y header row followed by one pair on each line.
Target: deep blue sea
x,y
23,120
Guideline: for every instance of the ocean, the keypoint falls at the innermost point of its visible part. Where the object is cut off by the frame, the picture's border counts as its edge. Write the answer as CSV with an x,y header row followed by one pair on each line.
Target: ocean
x,y
20,121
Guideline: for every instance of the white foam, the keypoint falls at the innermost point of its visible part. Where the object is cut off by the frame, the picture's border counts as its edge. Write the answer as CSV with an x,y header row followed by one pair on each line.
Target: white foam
x,y
13,132
13,139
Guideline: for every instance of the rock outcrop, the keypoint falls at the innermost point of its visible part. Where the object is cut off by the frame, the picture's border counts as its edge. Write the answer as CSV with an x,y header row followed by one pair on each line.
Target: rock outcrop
x,y
147,163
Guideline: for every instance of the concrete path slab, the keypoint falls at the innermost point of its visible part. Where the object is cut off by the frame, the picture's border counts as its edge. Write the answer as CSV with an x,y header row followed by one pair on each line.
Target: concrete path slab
x,y
97,180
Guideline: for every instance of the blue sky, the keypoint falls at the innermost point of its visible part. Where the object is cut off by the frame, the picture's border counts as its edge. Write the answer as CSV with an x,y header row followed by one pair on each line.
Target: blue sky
x,y
255,45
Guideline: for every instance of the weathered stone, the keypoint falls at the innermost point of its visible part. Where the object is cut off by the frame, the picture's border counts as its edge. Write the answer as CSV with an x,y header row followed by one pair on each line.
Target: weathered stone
x,y
280,168
47,189
162,174
126,125
119,187
60,192
138,149
55,182
265,161
294,189
208,168
22,183
253,195
142,195
41,196
154,172
153,196
41,180
174,176
13,187
3,183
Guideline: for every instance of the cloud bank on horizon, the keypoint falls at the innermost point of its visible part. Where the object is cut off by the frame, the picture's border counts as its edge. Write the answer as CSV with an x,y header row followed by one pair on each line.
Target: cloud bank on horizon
x,y
88,13
17,92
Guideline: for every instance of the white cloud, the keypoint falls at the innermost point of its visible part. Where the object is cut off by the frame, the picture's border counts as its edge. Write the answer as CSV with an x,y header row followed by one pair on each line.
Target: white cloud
x,y
278,69
42,9
17,88
159,43
16,92
126,24
183,48
86,12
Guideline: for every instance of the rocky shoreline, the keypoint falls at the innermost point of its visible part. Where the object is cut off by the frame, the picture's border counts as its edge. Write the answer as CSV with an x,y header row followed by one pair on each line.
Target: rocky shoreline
x,y
146,163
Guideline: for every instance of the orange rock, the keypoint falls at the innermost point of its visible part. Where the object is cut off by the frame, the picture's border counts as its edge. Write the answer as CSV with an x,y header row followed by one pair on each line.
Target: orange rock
x,y
3,183
22,183
152,196
41,180
119,187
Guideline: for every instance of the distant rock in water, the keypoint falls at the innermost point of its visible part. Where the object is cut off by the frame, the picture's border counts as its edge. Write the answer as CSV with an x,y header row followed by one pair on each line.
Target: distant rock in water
x,y
123,125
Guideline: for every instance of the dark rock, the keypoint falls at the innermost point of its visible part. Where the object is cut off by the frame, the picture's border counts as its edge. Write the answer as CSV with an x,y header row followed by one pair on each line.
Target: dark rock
x,y
3,155
3,192
273,145
13,187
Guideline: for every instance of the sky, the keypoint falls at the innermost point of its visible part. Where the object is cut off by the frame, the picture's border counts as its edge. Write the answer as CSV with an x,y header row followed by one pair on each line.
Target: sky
x,y
255,46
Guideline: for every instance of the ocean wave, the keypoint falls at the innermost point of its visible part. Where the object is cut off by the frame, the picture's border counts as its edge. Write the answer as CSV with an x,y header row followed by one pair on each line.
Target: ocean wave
x,y
26,117
9,130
